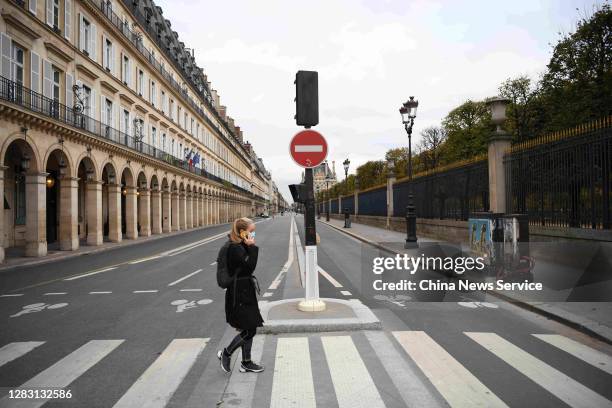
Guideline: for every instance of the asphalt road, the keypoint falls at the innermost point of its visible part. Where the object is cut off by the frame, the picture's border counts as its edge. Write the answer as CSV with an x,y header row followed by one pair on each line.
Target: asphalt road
x,y
140,326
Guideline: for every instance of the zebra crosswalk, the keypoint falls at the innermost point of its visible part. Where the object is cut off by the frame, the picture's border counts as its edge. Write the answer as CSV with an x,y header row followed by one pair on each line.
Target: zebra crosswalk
x,y
357,369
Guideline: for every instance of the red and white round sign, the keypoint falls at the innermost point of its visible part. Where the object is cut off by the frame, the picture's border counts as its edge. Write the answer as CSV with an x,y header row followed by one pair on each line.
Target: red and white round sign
x,y
308,148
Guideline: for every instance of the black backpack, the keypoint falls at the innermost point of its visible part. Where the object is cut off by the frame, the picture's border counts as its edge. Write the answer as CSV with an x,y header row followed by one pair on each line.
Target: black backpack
x,y
224,278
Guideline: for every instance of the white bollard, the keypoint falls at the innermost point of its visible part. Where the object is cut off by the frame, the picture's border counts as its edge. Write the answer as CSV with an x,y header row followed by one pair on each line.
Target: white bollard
x,y
311,303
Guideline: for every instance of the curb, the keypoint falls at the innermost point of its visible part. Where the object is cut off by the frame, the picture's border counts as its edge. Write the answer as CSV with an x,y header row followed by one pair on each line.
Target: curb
x,y
583,325
101,248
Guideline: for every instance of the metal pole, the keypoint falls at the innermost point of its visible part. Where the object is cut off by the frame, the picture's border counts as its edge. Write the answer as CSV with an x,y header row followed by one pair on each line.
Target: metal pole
x,y
411,238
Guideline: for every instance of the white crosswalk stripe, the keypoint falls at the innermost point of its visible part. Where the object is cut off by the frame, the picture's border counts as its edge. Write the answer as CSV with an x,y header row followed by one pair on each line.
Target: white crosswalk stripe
x,y
157,384
456,384
65,371
12,351
352,381
560,385
594,357
292,385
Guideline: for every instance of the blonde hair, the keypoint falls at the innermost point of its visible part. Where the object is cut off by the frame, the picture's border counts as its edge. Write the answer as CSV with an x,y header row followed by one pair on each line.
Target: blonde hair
x,y
239,225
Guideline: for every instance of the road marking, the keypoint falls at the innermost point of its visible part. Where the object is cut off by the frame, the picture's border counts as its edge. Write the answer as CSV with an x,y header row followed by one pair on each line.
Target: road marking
x,y
15,350
192,245
146,291
244,385
65,371
345,292
352,382
12,295
38,307
267,294
54,293
406,377
587,354
100,293
456,384
287,264
156,385
329,278
214,263
184,277
183,304
475,305
90,273
292,384
190,290
554,381
137,261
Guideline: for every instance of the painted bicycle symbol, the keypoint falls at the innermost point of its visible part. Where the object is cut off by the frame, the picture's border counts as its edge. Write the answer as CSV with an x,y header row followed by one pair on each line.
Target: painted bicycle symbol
x,y
38,307
183,304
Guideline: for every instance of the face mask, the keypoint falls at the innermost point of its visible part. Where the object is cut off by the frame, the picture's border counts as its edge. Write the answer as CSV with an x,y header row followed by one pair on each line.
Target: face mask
x,y
253,234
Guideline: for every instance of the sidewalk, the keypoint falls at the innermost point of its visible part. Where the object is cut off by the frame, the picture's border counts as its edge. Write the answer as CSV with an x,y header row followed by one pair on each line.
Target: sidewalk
x,y
592,318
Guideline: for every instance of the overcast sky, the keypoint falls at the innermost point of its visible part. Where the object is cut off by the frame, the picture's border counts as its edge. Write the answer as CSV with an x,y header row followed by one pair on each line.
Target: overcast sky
x,y
370,54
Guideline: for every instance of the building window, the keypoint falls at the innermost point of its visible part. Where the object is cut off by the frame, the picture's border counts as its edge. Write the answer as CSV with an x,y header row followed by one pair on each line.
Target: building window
x,y
56,84
18,55
108,112
140,82
108,55
164,142
126,69
86,36
163,102
87,101
56,8
126,121
153,93
171,111
154,136
178,115
172,149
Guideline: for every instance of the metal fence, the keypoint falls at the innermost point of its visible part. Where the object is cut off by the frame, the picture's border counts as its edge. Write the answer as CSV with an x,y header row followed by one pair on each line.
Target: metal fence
x,y
348,202
450,194
334,206
33,101
563,180
373,202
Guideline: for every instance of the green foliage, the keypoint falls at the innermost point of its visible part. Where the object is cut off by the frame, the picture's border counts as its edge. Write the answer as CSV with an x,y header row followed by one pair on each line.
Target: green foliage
x,y
468,128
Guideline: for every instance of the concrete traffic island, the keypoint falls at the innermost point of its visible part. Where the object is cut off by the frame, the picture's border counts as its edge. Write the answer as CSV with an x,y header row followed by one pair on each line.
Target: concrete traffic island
x,y
283,316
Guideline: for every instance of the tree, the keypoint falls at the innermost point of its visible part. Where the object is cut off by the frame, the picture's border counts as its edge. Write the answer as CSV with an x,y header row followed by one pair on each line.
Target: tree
x,y
468,127
430,147
399,158
372,173
525,111
577,86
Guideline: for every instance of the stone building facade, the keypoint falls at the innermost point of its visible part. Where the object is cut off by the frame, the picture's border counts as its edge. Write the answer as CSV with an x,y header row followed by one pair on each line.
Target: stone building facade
x,y
109,130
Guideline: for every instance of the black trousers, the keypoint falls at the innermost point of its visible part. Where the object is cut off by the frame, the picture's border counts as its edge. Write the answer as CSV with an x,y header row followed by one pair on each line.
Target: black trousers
x,y
244,340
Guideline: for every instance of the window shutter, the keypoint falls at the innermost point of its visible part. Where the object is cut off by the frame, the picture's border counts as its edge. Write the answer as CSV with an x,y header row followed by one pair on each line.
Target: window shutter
x,y
33,6
50,13
34,71
67,18
6,56
145,89
130,73
103,117
47,79
115,116
93,45
92,102
69,94
104,58
82,45
112,61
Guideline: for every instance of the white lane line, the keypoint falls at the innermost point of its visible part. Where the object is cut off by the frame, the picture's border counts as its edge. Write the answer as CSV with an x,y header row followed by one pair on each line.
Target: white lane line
x,y
184,277
137,261
90,273
346,293
456,384
13,351
244,385
554,381
190,290
65,371
146,291
54,293
352,382
12,295
156,385
214,263
329,278
587,354
100,293
267,294
292,384
192,245
287,264
405,377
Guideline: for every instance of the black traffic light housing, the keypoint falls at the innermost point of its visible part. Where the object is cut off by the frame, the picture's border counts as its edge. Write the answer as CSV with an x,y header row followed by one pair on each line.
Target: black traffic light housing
x,y
299,193
307,98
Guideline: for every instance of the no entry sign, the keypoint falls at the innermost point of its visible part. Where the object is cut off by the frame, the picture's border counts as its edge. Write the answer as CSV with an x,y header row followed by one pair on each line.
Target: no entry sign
x,y
308,148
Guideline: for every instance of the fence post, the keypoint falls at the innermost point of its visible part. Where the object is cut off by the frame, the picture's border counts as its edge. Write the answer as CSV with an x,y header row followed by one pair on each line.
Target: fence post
x,y
390,182
339,204
356,197
499,142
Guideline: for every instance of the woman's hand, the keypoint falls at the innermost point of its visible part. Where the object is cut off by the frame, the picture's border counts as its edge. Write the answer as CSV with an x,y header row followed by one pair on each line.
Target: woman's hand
x,y
249,241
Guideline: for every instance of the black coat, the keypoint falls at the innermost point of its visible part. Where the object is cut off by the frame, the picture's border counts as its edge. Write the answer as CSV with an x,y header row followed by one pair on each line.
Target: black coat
x,y
241,308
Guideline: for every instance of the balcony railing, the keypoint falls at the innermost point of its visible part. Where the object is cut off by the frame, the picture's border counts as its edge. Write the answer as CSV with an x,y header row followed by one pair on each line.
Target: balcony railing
x,y
33,101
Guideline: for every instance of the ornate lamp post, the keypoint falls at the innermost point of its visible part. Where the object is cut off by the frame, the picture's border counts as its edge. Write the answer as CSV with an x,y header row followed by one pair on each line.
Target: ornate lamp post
x,y
346,165
408,112
327,180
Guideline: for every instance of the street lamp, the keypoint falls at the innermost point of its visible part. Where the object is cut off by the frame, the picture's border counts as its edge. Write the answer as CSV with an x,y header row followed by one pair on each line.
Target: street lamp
x,y
346,164
327,180
408,112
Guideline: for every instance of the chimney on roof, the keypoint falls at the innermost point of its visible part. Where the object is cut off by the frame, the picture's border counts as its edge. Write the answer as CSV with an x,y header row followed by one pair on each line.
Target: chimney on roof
x,y
222,111
230,121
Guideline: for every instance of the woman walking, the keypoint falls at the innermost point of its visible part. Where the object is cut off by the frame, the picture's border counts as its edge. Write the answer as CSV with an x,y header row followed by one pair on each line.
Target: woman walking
x,y
241,308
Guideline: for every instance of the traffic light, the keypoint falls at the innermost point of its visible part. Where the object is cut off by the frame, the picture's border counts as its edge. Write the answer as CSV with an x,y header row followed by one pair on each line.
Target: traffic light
x,y
298,192
307,98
